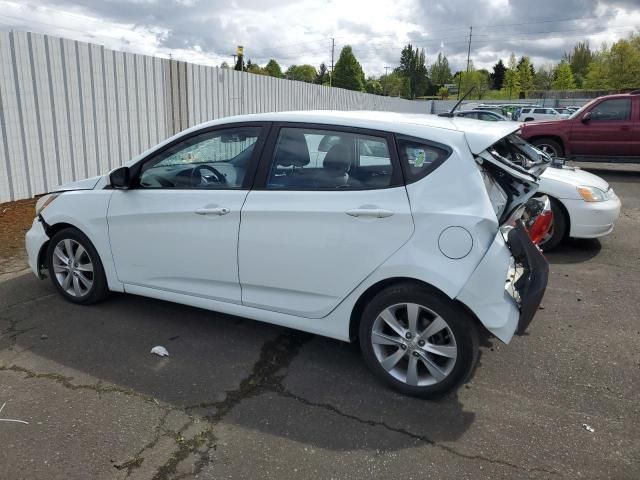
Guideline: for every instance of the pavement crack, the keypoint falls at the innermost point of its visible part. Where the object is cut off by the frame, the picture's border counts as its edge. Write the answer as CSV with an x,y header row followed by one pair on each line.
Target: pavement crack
x,y
279,390
29,300
275,355
98,387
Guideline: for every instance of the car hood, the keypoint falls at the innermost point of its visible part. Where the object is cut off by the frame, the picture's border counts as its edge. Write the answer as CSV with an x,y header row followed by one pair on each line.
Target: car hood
x,y
542,123
86,184
576,177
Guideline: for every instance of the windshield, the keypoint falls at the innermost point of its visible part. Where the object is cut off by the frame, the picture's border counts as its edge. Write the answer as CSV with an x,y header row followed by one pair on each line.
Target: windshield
x,y
578,112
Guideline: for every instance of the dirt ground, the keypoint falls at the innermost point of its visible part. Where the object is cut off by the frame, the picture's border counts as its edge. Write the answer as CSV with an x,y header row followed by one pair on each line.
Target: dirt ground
x,y
15,220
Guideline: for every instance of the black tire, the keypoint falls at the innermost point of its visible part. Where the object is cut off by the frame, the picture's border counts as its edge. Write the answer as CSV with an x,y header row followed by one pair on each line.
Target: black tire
x,y
558,227
98,289
528,119
556,148
461,325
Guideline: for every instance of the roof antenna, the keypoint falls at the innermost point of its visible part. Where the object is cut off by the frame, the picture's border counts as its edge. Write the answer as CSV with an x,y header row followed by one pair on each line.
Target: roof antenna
x,y
450,113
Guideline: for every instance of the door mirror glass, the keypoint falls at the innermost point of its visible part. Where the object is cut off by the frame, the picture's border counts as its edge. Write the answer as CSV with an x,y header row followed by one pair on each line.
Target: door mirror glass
x,y
586,117
119,178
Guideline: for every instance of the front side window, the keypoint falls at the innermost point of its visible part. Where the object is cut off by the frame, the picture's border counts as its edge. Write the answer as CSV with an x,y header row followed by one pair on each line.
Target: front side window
x,y
313,159
213,160
540,110
611,110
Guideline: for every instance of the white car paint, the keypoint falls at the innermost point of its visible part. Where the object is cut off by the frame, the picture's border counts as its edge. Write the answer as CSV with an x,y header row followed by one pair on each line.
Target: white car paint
x,y
540,113
586,219
304,264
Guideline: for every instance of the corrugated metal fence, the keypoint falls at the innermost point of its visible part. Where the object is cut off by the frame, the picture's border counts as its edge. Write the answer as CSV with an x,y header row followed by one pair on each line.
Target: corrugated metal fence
x,y
71,110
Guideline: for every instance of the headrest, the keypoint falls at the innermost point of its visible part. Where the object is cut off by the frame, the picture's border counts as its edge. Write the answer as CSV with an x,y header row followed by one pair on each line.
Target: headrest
x,y
292,149
338,158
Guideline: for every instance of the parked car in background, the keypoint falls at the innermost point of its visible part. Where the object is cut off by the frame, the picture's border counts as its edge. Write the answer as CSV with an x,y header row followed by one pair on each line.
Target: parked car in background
x,y
486,115
564,110
529,114
605,129
339,224
583,206
499,109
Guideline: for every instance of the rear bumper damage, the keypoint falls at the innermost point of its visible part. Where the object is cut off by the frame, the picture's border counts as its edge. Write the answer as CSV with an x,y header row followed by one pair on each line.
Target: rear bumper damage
x,y
506,288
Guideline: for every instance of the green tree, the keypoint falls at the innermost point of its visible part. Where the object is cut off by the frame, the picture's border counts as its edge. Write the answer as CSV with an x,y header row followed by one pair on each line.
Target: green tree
x,y
525,75
392,84
443,93
303,73
255,68
413,68
497,77
273,69
598,74
224,65
373,86
348,71
624,64
323,75
511,82
482,82
543,79
564,77
579,60
440,72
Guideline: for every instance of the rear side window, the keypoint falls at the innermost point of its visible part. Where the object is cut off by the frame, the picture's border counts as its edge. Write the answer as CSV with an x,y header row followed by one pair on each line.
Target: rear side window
x,y
525,110
540,110
420,157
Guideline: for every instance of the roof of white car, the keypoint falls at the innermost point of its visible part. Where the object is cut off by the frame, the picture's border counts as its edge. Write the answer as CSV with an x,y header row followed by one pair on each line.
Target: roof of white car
x,y
479,134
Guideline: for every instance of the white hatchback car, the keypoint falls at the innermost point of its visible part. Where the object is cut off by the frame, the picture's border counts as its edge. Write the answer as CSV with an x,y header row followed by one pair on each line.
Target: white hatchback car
x,y
399,231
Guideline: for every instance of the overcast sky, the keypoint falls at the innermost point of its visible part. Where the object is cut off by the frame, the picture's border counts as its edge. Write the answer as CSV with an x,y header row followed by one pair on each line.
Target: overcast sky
x,y
207,31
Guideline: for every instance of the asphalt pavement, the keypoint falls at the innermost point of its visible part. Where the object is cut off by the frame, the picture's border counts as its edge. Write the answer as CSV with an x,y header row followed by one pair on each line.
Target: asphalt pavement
x,y
240,399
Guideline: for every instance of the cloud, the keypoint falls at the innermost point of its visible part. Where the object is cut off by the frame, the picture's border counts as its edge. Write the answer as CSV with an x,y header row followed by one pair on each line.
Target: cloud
x,y
294,32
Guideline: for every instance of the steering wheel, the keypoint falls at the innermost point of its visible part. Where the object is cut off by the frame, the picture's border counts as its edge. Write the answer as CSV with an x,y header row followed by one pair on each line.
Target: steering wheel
x,y
197,177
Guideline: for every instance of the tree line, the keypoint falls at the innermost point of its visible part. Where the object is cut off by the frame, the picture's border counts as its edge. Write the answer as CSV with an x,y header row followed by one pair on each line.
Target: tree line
x,y
607,68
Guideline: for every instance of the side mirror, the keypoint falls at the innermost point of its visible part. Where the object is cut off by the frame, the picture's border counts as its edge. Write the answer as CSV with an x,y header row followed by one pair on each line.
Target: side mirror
x,y
120,178
586,117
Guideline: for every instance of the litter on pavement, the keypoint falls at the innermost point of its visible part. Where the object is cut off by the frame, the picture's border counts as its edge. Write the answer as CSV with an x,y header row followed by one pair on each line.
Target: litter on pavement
x,y
160,350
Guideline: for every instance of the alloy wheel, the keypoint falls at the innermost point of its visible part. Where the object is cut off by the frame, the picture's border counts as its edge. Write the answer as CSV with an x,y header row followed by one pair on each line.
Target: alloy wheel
x,y
73,267
414,344
547,149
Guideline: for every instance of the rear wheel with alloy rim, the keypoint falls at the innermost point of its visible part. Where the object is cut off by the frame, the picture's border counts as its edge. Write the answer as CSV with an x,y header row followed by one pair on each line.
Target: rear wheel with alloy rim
x,y
75,268
417,340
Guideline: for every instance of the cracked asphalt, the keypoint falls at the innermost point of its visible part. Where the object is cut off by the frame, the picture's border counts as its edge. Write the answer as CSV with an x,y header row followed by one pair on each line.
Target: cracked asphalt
x,y
239,399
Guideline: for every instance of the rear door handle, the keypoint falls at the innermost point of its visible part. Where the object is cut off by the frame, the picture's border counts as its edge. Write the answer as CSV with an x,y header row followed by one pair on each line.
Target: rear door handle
x,y
212,211
369,212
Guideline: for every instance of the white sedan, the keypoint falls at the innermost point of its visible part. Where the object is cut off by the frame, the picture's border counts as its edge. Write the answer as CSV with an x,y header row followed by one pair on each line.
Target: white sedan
x,y
583,204
399,231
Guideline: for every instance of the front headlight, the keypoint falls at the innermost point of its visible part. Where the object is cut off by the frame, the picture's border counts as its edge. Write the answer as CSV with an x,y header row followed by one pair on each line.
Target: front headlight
x,y
44,201
592,194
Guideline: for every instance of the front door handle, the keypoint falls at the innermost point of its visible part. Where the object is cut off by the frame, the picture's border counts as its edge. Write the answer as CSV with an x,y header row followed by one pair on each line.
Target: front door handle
x,y
212,211
369,212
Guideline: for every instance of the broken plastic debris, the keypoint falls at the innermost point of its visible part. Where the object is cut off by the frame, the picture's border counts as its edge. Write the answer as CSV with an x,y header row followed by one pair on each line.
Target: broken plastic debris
x,y
160,350
588,428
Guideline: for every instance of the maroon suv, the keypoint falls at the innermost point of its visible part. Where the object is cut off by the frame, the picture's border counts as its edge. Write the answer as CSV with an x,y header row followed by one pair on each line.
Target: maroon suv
x,y
605,129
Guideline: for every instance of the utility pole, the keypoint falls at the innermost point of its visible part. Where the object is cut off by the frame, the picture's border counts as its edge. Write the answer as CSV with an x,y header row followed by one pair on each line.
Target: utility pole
x,y
333,46
386,79
468,58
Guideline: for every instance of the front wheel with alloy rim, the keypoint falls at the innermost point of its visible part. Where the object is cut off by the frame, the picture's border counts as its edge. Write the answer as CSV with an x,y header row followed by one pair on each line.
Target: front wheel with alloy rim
x,y
75,268
417,340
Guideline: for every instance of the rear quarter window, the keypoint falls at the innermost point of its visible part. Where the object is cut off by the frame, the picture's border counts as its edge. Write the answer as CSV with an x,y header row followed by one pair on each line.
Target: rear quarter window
x,y
420,157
